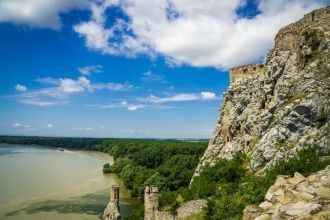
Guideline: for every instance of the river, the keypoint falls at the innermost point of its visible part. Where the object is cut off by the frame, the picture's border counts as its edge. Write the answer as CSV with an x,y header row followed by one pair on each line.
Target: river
x,y
46,183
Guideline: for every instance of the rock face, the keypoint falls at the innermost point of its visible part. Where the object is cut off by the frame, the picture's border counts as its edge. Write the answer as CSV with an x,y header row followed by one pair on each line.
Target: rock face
x,y
273,110
111,212
295,198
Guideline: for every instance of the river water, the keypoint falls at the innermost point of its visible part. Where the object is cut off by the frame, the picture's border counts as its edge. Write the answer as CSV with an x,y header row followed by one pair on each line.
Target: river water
x,y
46,183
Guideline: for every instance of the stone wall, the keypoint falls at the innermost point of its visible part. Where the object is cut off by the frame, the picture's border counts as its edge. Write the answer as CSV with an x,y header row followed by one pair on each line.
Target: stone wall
x,y
295,198
245,71
111,212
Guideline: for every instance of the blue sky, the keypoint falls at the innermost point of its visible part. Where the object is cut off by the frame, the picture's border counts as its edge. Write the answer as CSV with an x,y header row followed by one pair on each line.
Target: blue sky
x,y
154,69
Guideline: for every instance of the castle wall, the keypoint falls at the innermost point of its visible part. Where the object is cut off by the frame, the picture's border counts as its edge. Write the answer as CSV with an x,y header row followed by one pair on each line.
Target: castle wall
x,y
152,212
244,71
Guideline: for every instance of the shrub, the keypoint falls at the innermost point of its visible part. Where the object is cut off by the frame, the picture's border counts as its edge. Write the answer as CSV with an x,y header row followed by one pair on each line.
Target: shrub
x,y
106,168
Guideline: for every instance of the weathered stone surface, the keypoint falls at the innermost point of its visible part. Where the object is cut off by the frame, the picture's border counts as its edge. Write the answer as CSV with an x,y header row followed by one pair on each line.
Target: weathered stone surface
x,y
272,111
191,207
308,202
111,212
300,208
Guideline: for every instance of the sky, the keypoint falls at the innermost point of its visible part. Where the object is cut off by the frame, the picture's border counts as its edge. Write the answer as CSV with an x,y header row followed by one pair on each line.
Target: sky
x,y
128,68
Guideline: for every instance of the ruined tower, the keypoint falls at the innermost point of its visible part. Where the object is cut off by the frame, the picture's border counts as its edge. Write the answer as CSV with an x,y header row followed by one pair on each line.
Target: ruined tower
x,y
112,210
150,203
114,195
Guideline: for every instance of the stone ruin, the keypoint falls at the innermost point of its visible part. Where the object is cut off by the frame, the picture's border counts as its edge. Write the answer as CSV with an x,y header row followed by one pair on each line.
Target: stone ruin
x,y
151,207
111,212
246,70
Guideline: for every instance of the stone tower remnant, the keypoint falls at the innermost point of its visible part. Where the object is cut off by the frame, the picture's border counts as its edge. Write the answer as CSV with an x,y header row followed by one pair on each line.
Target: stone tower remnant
x,y
112,210
150,202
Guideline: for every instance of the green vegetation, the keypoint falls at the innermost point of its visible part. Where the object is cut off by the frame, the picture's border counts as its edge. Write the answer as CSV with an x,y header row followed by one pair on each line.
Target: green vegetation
x,y
58,142
167,164
312,37
106,168
321,119
233,187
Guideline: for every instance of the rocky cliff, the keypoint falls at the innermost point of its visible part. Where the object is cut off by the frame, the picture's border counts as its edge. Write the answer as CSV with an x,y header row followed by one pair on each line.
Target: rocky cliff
x,y
273,110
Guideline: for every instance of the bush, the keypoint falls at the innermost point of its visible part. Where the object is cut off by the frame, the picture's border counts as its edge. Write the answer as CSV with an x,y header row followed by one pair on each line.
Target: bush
x,y
106,168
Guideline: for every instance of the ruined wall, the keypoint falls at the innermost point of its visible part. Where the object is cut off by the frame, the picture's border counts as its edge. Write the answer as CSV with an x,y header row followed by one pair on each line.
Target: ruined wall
x,y
240,72
151,207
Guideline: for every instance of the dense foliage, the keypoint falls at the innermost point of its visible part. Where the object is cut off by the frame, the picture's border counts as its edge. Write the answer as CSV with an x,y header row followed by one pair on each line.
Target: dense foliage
x,y
167,164
59,142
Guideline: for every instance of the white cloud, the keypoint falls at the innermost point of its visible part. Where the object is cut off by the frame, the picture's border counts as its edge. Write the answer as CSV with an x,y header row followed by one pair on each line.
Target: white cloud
x,y
37,13
83,129
175,98
131,107
135,107
49,125
123,104
112,86
21,126
87,70
40,102
48,81
60,90
149,76
21,88
71,86
208,95
199,33
181,97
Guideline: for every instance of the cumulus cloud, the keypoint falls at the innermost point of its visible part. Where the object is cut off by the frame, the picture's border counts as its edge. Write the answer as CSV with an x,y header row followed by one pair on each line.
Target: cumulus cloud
x,y
21,88
199,33
49,125
87,70
208,95
37,13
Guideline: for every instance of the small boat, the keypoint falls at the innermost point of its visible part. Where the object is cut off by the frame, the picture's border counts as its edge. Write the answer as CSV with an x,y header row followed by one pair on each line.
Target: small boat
x,y
60,149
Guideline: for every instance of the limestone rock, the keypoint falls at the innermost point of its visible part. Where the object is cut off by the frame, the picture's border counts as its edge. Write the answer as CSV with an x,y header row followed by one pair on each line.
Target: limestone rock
x,y
272,110
288,201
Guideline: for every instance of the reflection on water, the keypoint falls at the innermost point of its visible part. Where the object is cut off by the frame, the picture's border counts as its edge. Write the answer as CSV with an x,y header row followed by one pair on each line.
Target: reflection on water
x,y
39,183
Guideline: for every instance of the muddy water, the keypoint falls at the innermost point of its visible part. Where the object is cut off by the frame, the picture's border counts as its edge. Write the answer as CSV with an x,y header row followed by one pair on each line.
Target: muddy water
x,y
44,183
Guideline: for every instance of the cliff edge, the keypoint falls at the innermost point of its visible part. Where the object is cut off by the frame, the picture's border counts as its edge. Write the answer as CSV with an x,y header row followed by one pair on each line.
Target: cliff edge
x,y
273,110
